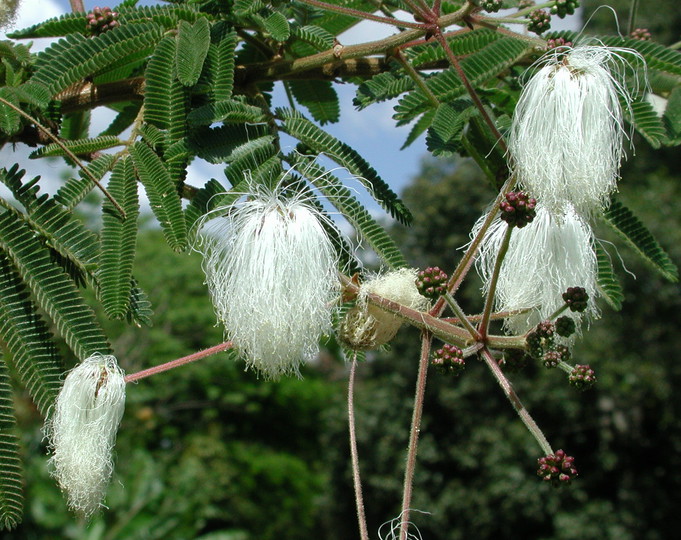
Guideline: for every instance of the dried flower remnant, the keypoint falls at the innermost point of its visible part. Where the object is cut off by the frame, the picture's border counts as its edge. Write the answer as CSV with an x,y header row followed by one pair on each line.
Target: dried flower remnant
x,y
367,326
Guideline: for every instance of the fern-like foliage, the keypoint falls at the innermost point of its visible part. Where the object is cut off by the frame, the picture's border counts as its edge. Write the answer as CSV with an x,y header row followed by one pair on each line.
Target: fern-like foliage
x,y
76,189
78,146
228,111
319,97
52,288
11,494
75,57
320,141
220,62
119,236
640,239
163,196
30,344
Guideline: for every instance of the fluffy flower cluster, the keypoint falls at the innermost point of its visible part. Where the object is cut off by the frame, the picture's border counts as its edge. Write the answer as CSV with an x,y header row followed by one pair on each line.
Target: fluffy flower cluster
x,y
565,146
271,271
82,431
567,132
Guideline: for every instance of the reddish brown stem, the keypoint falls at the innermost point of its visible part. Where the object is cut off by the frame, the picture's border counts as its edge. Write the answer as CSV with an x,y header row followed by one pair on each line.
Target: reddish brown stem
x,y
179,362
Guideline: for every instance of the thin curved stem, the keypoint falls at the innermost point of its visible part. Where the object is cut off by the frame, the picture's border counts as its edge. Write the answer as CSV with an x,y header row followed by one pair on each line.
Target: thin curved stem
x,y
68,152
177,363
356,479
489,301
426,339
361,14
456,308
506,386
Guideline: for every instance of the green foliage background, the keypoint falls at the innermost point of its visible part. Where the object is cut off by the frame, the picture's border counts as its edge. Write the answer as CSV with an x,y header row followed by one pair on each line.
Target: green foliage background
x,y
211,452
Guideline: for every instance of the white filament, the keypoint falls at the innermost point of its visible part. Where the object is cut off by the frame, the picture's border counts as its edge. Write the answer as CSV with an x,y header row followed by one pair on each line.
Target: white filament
x,y
82,431
271,272
543,259
567,131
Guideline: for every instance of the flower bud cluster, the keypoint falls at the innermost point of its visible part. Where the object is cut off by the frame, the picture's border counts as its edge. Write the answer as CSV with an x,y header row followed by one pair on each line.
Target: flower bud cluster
x,y
540,21
558,468
431,282
556,355
514,360
449,359
576,298
565,326
492,6
564,7
642,34
518,209
582,377
101,20
556,43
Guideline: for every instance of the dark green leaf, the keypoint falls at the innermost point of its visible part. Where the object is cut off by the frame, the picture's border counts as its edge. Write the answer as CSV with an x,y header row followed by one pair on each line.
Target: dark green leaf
x,y
118,240
319,97
277,26
191,50
11,492
78,146
163,196
639,238
608,284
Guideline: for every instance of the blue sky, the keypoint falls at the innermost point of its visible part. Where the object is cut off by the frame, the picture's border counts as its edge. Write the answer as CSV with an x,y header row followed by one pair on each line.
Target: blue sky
x,y
372,131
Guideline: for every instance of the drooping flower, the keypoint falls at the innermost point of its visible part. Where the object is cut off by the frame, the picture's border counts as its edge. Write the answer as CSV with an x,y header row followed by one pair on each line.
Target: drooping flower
x,y
367,326
82,431
567,132
271,272
543,259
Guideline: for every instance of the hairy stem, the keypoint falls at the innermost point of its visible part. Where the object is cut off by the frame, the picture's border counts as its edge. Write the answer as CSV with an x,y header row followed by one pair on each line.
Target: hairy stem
x,y
416,77
426,339
489,301
77,6
360,14
506,386
68,152
356,479
179,362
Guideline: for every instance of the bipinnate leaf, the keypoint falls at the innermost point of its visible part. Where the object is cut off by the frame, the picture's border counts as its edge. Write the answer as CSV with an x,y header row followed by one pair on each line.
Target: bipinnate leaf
x,y
11,492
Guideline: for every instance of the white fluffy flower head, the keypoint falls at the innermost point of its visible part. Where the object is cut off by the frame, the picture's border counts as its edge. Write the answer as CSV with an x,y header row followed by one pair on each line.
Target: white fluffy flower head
x,y
567,131
271,271
82,431
543,260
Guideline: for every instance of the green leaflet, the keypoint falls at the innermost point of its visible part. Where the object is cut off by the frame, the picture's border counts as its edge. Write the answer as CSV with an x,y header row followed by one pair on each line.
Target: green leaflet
x,y
191,49
215,145
163,196
419,127
165,98
75,57
211,196
277,26
123,120
639,238
644,118
53,290
608,284
11,492
310,39
321,142
380,88
319,97
672,117
220,62
166,16
229,111
10,121
258,160
78,146
462,45
119,237
30,344
55,27
76,189
446,130
341,197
